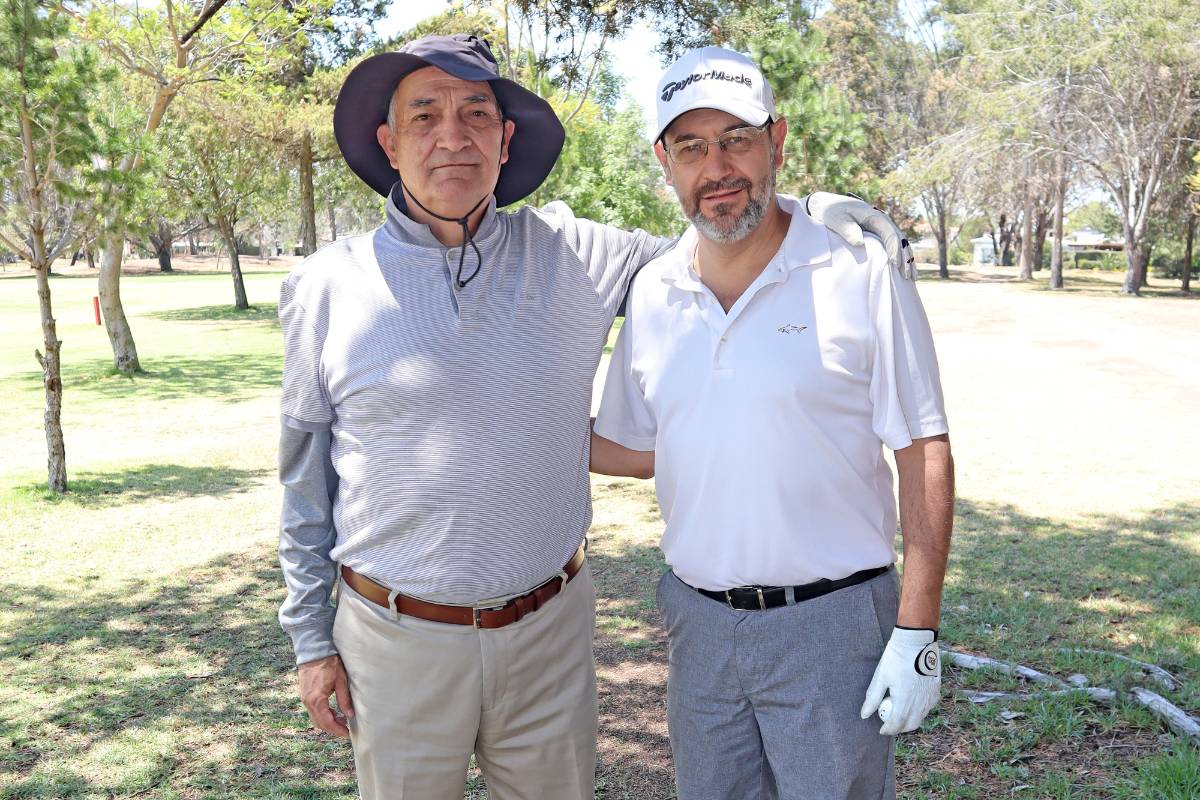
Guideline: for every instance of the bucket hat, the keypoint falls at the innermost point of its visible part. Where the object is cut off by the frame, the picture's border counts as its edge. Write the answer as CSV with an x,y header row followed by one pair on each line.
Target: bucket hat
x,y
362,106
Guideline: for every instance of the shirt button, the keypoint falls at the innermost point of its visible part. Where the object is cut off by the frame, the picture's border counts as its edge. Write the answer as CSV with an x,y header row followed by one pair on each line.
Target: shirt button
x,y
723,340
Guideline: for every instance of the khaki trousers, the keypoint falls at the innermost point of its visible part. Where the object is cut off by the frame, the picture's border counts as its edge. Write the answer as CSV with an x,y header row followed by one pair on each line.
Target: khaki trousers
x,y
427,695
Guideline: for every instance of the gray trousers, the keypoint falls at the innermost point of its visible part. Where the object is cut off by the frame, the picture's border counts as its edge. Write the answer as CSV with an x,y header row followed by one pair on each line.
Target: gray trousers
x,y
764,704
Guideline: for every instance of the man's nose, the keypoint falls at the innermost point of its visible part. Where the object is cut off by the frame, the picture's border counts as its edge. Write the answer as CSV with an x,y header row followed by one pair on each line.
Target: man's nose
x,y
717,163
452,134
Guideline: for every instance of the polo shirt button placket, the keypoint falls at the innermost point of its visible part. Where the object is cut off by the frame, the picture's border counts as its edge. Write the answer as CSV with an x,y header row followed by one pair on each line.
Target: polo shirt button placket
x,y
721,351
455,290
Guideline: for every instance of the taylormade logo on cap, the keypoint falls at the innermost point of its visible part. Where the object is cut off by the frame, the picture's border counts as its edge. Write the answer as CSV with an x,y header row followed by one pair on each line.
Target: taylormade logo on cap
x,y
713,77
672,87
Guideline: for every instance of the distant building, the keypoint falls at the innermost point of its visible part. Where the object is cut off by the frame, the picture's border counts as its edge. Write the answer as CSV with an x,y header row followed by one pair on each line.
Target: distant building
x,y
1088,239
983,251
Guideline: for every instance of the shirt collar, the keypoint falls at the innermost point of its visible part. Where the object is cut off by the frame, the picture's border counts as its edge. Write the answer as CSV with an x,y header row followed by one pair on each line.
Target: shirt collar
x,y
805,244
407,230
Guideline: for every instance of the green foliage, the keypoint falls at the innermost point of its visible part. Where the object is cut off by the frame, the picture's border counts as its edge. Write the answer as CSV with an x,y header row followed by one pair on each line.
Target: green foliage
x,y
48,133
1097,215
1096,259
826,136
216,164
607,172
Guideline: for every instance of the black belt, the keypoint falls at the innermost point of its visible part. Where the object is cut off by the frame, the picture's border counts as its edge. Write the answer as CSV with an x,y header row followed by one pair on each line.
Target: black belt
x,y
760,598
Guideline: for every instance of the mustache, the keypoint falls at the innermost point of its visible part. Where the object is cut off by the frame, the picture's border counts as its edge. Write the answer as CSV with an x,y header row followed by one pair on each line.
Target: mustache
x,y
723,185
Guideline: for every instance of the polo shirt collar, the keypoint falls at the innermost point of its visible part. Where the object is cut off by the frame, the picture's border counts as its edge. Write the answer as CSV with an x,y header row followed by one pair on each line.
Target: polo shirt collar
x,y
806,244
408,231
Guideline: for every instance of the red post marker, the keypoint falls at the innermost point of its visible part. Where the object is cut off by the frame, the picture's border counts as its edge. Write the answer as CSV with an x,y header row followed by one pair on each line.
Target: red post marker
x,y
96,308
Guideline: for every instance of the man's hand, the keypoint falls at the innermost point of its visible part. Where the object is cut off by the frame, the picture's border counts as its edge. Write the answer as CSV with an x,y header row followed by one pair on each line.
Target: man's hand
x,y
910,672
848,217
318,680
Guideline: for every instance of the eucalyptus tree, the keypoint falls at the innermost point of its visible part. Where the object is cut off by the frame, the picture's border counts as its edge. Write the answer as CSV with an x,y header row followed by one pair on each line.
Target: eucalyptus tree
x,y
1119,86
223,175
171,46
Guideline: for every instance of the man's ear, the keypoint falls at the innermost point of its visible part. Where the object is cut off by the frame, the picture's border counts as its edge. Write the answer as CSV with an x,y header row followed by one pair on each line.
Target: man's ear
x,y
510,127
778,136
383,134
662,159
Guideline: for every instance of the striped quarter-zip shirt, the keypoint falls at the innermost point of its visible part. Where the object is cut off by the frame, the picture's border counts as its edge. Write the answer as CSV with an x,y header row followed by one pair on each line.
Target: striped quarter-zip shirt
x,y
458,417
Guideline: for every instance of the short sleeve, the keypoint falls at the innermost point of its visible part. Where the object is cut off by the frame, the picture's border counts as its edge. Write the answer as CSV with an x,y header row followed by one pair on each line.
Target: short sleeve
x,y
611,255
906,389
305,401
624,416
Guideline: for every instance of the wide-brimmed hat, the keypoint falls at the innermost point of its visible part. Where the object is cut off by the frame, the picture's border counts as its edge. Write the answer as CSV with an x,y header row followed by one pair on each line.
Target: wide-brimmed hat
x,y
362,106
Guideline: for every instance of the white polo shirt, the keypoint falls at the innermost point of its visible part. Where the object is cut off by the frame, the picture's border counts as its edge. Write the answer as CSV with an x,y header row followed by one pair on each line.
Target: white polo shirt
x,y
768,422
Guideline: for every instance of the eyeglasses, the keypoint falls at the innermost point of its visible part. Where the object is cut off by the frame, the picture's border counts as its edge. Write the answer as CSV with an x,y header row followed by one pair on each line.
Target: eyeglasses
x,y
735,142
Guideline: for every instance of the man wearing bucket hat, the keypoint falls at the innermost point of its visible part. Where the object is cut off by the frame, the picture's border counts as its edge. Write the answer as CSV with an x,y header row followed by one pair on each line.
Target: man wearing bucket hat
x,y
763,365
436,391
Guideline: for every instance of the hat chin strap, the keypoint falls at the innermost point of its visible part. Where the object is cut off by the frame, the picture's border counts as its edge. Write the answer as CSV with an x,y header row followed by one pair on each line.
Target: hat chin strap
x,y
468,237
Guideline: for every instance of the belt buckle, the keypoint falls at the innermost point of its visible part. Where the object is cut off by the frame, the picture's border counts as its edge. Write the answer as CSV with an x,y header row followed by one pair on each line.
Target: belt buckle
x,y
762,601
476,622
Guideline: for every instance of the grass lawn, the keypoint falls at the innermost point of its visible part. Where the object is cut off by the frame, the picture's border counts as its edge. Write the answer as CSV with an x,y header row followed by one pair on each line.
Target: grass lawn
x,y
140,656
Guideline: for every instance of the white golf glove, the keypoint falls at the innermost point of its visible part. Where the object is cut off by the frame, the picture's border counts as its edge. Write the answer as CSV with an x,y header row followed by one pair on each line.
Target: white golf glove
x,y
910,672
848,217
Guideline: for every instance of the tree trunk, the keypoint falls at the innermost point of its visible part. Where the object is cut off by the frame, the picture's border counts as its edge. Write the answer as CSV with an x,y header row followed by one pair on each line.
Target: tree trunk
x,y
943,248
1005,244
50,361
91,259
193,250
1025,262
164,257
1039,239
332,223
1056,245
308,207
1144,264
263,253
1132,284
125,357
235,268
1186,282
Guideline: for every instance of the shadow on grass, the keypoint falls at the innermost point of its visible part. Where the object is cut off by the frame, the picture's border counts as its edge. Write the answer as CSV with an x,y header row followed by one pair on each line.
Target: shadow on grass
x,y
232,378
267,313
196,659
146,482
1033,587
93,677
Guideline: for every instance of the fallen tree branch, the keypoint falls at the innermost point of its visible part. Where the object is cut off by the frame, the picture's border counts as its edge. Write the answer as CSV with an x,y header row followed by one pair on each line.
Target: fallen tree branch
x,y
1160,675
1094,693
967,661
1176,718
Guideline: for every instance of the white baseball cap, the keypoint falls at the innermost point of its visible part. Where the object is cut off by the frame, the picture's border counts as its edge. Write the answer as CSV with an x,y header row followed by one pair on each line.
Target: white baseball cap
x,y
713,77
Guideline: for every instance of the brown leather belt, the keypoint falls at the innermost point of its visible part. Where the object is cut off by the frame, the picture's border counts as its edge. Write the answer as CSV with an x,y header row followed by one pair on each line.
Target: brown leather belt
x,y
496,617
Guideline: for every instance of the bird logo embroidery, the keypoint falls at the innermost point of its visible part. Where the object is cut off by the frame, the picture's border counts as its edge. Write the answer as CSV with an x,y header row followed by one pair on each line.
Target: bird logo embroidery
x,y
790,329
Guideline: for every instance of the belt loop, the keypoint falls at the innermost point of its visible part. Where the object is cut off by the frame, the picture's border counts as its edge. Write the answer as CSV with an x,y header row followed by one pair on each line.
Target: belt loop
x,y
395,612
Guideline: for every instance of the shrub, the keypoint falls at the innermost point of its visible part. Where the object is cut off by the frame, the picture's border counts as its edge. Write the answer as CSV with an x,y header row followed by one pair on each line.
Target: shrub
x,y
1097,259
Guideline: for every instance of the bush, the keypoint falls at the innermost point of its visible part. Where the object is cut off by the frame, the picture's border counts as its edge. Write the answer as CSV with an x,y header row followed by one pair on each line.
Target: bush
x,y
1097,259
1170,268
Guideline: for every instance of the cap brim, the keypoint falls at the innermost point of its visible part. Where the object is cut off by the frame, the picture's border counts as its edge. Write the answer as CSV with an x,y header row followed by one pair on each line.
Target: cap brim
x,y
362,106
751,113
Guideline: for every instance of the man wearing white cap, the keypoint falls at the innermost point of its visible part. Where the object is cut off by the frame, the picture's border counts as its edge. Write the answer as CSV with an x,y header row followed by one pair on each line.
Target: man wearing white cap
x,y
763,366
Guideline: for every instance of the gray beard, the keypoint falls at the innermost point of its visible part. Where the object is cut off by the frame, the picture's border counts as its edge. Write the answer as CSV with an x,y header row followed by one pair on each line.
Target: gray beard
x,y
746,222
